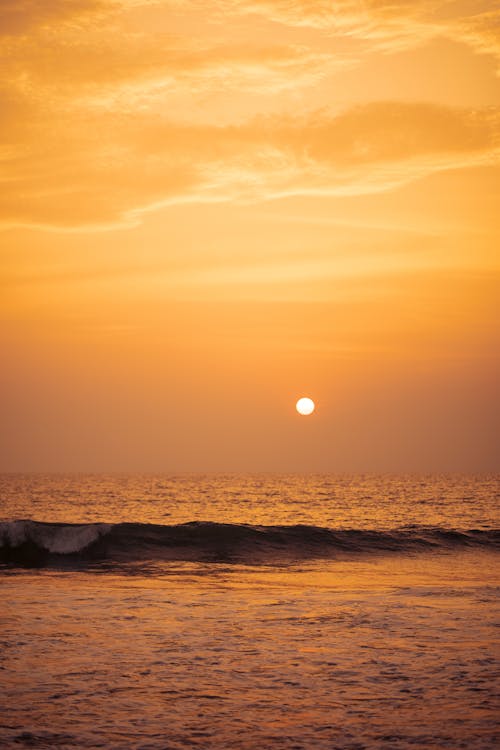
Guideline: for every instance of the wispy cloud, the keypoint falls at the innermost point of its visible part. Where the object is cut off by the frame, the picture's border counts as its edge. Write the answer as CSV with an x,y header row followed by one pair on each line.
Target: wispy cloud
x,y
20,17
91,135
96,68
106,168
385,25
480,31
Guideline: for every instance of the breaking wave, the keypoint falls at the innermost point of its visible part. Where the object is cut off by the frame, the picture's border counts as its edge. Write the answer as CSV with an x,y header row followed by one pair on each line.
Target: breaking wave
x,y
35,543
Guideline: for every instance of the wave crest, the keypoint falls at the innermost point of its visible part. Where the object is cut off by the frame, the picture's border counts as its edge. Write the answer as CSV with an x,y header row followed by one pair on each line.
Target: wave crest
x,y
28,542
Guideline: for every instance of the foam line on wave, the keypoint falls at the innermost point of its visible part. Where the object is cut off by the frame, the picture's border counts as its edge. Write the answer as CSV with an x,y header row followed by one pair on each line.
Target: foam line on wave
x,y
38,543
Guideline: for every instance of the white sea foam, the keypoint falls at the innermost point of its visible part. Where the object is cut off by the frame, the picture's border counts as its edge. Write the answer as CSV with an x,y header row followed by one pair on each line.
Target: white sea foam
x,y
58,539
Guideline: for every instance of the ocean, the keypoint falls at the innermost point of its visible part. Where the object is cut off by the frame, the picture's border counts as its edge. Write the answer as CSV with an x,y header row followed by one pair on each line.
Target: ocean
x,y
249,612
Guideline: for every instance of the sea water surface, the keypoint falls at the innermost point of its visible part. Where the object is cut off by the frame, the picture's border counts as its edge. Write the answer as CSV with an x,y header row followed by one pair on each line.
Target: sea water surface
x,y
249,612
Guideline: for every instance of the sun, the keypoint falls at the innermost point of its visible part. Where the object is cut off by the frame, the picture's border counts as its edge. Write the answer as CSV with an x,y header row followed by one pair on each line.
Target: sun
x,y
305,406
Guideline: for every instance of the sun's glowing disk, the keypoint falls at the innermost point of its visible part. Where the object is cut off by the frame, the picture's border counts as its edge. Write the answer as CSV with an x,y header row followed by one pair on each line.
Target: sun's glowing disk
x,y
305,406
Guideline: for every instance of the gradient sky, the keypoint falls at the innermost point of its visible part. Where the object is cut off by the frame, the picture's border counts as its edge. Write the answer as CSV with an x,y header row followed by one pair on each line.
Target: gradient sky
x,y
210,209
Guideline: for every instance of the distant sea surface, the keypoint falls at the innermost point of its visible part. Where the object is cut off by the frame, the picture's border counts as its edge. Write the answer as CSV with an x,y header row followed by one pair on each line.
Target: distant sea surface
x,y
248,611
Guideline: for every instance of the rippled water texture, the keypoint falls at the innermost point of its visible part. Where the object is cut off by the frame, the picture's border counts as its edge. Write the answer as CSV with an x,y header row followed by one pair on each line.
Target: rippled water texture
x,y
383,647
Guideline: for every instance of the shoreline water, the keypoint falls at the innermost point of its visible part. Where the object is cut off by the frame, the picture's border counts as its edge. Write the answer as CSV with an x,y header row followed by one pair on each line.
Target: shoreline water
x,y
371,650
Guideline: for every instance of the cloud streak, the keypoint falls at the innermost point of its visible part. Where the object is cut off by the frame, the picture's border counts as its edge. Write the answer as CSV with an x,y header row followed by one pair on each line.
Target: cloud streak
x,y
107,168
385,25
92,134
20,17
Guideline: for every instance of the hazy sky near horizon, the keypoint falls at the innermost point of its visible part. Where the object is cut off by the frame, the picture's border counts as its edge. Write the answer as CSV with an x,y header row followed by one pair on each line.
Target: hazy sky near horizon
x,y
210,209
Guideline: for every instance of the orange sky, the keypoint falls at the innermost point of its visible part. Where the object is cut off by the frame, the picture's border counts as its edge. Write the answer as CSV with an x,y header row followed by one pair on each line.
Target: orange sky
x,y
212,208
